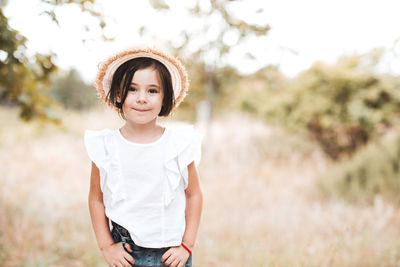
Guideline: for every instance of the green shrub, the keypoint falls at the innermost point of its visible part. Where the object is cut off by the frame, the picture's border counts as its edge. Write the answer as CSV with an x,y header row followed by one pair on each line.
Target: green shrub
x,y
72,92
342,106
373,170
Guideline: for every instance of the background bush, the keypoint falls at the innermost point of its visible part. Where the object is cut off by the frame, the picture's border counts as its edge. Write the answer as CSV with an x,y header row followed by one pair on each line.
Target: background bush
x,y
72,92
342,106
373,170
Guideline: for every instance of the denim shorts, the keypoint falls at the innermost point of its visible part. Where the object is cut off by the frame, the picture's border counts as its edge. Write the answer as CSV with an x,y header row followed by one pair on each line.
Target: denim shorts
x,y
144,257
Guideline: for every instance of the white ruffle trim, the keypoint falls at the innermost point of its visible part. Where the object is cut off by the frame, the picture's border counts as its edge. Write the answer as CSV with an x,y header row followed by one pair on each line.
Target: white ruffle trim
x,y
184,148
101,148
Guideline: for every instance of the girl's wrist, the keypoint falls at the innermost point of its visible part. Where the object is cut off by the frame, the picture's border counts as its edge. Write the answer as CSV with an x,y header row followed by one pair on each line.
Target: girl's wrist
x,y
187,247
188,244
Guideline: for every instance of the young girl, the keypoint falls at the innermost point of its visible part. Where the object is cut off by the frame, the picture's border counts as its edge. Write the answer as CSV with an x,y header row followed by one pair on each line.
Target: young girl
x,y
144,176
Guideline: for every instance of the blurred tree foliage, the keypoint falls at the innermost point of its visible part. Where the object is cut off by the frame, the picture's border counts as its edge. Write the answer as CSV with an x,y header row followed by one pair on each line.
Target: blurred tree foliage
x,y
342,106
254,92
214,16
197,79
24,80
72,92
373,170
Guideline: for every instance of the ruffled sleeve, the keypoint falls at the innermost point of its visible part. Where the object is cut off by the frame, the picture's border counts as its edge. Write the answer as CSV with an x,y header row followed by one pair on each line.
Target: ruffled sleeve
x,y
101,149
185,147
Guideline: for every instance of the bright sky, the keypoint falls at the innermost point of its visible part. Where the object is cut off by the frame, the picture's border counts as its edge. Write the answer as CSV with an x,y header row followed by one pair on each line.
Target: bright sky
x,y
314,29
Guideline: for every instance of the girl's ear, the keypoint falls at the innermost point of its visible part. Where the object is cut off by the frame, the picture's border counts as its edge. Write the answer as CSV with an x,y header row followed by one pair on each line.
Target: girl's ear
x,y
118,101
118,96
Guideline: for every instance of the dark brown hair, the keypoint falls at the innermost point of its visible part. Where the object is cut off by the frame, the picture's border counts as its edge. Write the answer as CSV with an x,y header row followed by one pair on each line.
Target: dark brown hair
x,y
123,76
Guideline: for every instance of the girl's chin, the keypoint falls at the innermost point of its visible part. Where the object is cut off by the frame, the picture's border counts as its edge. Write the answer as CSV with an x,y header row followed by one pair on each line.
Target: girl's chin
x,y
142,120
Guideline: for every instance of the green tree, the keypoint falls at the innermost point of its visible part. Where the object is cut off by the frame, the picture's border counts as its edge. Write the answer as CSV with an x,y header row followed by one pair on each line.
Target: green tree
x,y
24,80
343,106
72,92
256,90
210,55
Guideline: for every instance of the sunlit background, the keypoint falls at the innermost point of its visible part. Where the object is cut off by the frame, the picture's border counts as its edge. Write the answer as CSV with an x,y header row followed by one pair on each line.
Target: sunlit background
x,y
298,103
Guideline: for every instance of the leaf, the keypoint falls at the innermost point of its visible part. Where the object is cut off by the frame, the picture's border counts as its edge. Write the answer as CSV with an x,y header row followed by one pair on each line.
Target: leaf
x,y
159,4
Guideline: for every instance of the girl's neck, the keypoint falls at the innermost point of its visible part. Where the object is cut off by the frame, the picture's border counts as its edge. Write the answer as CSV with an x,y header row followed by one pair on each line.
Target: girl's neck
x,y
142,132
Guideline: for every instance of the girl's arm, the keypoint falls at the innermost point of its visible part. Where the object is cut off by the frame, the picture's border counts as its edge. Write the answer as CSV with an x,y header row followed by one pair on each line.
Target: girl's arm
x,y
114,254
194,205
97,211
177,256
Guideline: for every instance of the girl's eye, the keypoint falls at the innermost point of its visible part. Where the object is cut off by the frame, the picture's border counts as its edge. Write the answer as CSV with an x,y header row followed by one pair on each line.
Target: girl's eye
x,y
153,91
132,89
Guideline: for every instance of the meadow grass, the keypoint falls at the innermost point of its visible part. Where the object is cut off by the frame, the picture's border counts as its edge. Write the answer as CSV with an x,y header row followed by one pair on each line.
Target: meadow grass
x,y
261,206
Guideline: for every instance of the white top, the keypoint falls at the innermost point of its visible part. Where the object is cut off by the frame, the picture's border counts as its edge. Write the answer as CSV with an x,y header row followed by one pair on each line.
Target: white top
x,y
144,185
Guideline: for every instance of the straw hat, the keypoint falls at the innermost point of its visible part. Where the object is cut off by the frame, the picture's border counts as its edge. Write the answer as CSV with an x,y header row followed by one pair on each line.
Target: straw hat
x,y
105,74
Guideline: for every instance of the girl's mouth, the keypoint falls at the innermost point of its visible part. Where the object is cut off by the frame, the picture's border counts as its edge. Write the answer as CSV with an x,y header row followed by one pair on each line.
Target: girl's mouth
x,y
140,110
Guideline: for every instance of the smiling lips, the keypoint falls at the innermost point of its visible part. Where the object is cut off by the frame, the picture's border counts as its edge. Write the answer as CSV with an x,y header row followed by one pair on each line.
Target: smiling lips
x,y
141,110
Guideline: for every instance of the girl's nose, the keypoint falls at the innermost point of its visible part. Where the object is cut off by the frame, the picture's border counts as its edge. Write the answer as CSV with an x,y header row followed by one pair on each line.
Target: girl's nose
x,y
141,97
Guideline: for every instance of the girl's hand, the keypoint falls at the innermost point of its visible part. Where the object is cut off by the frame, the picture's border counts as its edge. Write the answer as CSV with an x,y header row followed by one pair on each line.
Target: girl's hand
x,y
175,257
116,256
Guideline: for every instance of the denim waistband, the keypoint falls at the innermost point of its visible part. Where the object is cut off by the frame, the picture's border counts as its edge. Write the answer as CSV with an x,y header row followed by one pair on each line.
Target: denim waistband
x,y
125,237
142,255
121,230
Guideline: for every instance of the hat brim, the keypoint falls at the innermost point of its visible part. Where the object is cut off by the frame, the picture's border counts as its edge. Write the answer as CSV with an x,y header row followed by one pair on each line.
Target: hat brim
x,y
107,69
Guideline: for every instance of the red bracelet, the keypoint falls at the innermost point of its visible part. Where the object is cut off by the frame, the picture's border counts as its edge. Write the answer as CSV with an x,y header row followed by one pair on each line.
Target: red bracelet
x,y
188,250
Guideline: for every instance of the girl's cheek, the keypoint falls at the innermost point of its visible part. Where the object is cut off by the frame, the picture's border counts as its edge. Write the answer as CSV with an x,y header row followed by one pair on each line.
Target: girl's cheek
x,y
130,98
156,97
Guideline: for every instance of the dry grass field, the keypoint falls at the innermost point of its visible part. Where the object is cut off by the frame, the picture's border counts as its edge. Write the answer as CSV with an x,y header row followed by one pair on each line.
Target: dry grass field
x,y
261,205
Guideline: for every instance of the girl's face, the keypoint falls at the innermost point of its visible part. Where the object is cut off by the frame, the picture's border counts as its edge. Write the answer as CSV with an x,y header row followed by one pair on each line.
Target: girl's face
x,y
145,97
